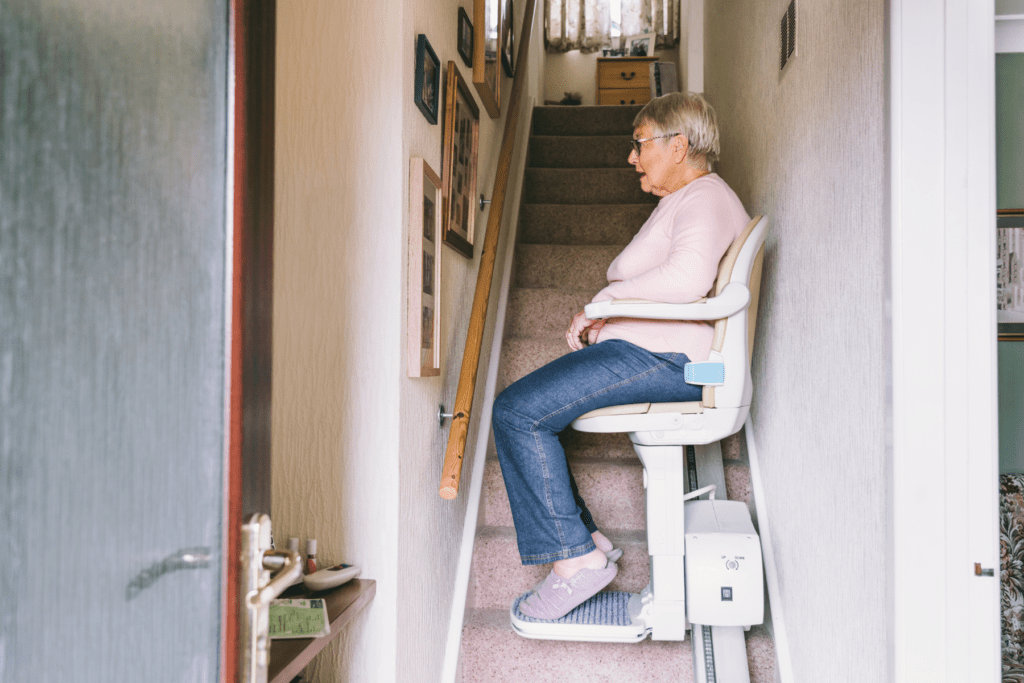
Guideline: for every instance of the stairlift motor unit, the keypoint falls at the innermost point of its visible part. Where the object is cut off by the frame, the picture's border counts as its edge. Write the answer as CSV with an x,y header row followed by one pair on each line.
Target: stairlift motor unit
x,y
724,572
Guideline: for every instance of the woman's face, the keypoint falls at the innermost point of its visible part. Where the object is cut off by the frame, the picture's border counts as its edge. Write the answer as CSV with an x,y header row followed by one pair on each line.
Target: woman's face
x,y
654,163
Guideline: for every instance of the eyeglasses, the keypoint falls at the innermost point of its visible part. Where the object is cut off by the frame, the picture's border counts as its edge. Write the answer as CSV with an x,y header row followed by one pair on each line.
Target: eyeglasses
x,y
638,144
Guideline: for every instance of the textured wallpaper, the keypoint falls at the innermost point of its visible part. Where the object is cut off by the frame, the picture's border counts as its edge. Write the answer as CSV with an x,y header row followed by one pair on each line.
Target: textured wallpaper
x,y
809,150
339,301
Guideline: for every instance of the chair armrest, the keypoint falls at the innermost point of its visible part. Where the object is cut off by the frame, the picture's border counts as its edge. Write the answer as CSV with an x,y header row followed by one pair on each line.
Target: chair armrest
x,y
733,299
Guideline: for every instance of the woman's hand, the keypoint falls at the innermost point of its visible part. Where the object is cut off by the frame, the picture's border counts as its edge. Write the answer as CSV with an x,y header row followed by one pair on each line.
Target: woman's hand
x,y
582,325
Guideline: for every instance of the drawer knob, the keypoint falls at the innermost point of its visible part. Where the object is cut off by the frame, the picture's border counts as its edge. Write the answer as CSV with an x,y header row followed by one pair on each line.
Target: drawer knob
x,y
630,77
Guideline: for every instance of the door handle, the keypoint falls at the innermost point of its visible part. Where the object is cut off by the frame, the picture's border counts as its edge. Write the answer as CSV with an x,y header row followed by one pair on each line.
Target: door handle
x,y
288,565
257,589
186,558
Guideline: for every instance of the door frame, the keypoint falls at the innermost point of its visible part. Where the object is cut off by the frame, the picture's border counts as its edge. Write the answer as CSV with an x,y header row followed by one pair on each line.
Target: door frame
x,y
944,465
250,220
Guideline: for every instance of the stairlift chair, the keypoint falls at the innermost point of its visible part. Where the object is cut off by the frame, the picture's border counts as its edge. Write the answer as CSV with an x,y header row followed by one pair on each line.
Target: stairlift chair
x,y
705,555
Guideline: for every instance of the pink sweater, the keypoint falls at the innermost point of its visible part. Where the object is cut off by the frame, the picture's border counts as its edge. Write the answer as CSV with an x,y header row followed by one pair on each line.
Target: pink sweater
x,y
674,259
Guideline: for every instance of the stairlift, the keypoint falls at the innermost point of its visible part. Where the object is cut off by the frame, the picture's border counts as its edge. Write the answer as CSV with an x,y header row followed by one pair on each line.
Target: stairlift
x,y
705,556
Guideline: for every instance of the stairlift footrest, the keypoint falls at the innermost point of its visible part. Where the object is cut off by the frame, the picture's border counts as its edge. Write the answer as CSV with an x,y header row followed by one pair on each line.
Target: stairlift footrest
x,y
609,616
705,373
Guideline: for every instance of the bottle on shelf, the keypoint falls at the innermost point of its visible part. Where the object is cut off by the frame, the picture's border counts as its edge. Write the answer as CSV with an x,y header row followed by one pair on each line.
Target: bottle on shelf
x,y
310,556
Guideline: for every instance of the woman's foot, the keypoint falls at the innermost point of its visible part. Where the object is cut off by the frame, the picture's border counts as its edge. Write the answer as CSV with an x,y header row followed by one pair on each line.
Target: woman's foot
x,y
595,559
557,595
605,545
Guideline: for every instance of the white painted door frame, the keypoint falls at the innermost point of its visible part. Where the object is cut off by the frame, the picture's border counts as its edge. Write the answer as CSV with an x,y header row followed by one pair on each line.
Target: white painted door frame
x,y
945,443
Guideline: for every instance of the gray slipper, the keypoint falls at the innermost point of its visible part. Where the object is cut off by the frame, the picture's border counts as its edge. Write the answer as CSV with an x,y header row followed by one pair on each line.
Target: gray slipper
x,y
555,596
614,554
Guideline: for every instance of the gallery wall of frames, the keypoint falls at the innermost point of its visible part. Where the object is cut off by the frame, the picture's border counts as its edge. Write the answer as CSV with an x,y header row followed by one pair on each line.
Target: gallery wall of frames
x,y
443,203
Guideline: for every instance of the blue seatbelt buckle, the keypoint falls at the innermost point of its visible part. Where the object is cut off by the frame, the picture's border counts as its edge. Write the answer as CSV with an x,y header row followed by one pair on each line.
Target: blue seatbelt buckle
x,y
707,373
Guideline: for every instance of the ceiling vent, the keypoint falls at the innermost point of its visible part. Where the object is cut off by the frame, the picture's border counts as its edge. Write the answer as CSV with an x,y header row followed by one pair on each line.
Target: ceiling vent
x,y
788,49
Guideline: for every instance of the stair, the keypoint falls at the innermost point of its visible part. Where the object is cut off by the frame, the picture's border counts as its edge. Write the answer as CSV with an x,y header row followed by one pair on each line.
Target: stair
x,y
582,205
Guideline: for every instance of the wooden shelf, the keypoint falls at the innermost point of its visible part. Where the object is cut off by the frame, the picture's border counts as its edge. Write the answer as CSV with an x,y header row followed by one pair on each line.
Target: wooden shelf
x,y
290,656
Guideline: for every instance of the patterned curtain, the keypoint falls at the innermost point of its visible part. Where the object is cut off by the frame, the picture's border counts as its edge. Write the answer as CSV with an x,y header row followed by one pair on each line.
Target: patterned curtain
x,y
585,25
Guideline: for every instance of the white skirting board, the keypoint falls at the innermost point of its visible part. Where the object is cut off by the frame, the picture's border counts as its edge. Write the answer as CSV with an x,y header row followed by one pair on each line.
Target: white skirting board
x,y
784,664
450,670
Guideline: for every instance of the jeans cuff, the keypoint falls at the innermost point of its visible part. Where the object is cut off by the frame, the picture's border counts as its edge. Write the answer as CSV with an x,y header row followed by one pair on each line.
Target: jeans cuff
x,y
548,558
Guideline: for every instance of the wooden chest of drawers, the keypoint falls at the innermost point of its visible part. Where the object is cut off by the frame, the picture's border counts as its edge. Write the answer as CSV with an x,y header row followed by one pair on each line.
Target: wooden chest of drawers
x,y
624,80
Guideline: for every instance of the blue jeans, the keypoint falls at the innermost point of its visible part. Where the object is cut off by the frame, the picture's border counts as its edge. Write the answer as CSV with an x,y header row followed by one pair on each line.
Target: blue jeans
x,y
552,521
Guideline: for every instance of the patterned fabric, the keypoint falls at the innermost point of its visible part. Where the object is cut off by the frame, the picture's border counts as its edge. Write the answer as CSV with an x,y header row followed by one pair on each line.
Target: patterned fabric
x,y
1011,574
586,25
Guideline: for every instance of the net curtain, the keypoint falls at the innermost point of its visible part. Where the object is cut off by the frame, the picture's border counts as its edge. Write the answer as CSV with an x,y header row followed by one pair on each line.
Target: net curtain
x,y
585,25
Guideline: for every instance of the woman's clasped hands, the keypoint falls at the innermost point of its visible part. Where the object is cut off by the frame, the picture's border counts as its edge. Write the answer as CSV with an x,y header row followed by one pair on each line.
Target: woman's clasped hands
x,y
582,331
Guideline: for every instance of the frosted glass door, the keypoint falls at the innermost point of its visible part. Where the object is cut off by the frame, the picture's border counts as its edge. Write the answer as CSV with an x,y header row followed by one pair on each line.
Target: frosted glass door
x,y
112,339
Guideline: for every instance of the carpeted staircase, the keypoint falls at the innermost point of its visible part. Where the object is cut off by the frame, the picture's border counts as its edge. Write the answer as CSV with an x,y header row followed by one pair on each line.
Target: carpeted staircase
x,y
582,204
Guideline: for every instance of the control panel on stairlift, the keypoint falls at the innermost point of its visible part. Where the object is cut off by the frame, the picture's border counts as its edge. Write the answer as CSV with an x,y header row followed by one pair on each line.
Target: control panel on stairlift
x,y
724,574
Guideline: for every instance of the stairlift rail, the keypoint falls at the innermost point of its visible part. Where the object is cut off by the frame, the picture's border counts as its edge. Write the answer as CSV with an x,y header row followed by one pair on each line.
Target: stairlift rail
x,y
451,473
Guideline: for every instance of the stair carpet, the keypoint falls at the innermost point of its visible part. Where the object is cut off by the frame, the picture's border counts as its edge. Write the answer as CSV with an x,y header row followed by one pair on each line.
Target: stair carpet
x,y
582,205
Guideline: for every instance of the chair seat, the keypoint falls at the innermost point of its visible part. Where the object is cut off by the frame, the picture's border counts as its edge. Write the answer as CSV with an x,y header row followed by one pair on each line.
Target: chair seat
x,y
665,423
688,408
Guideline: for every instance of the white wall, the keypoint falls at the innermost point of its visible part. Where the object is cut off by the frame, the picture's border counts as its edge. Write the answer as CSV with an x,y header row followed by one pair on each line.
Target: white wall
x,y
810,152
357,450
339,301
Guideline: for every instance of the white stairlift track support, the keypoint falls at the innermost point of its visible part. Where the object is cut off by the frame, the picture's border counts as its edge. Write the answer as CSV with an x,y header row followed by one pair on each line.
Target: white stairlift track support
x,y
664,488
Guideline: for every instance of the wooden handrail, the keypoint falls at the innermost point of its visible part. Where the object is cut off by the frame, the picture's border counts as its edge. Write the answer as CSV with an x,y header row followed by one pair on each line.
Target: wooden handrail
x,y
452,472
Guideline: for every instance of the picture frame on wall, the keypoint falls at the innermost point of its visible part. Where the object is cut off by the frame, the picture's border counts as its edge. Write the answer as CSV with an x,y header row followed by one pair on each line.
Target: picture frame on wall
x,y
427,88
465,40
424,316
459,159
641,45
1010,274
486,68
508,41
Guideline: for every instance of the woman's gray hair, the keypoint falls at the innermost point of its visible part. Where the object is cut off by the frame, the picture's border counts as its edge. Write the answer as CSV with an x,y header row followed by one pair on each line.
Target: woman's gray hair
x,y
688,114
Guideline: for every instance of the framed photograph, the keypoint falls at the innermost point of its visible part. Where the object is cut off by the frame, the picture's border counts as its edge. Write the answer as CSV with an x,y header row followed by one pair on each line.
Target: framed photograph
x,y
486,36
508,41
641,45
427,90
1010,274
424,322
465,37
459,156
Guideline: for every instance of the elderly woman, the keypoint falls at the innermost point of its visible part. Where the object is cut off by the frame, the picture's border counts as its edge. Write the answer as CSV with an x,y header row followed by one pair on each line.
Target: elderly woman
x,y
674,258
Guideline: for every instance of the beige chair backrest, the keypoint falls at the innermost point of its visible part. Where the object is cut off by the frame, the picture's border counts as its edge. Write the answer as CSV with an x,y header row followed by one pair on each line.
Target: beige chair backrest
x,y
751,276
